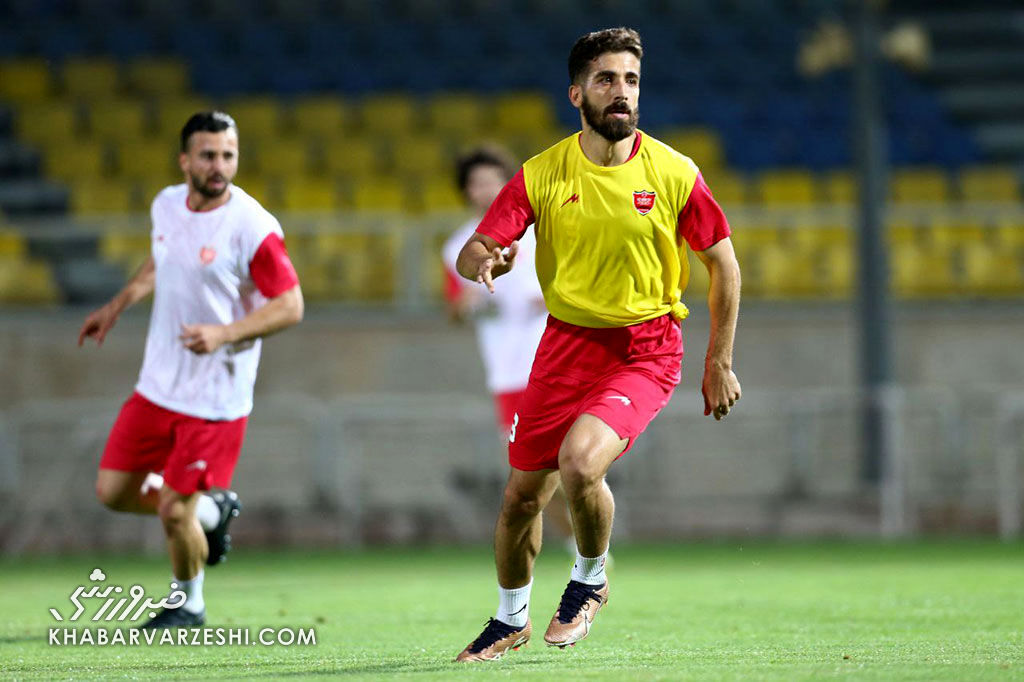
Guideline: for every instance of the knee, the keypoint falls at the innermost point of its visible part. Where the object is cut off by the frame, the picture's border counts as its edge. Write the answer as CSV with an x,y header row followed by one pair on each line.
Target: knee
x,y
173,514
113,496
519,504
579,470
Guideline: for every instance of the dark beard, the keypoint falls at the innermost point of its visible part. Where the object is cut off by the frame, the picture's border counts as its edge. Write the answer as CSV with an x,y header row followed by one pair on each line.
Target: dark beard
x,y
610,129
206,191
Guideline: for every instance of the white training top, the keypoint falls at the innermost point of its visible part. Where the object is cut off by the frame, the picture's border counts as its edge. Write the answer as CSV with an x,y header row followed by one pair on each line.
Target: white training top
x,y
202,277
510,322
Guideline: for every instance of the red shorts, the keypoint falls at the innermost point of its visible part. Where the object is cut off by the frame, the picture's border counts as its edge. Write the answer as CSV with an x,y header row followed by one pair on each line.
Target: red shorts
x,y
622,375
505,405
193,453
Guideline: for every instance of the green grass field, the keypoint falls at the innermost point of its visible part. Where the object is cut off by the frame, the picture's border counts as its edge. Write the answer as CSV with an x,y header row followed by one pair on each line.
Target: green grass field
x,y
758,611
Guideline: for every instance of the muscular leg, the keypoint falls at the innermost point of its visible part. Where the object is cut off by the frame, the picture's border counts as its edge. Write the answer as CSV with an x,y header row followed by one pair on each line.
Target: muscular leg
x,y
587,452
122,491
517,536
186,542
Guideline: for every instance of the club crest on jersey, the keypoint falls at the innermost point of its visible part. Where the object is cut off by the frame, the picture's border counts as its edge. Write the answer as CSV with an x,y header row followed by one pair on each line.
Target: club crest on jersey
x,y
643,201
206,255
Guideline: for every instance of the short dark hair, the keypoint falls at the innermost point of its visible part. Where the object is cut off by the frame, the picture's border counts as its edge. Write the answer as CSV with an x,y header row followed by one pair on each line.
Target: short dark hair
x,y
595,44
484,155
206,122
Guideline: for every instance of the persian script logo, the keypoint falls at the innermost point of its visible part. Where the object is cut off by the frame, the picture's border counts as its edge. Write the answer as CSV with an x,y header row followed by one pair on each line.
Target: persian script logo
x,y
123,602
643,201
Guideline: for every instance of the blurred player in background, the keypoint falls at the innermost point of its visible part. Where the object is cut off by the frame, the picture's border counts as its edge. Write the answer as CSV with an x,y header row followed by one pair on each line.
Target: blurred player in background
x,y
221,279
508,324
614,211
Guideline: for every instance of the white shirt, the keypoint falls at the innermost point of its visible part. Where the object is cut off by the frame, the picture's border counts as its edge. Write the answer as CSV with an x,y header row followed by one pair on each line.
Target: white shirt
x,y
202,277
509,322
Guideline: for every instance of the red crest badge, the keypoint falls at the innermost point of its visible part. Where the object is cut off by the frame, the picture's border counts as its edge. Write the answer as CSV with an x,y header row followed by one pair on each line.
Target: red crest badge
x,y
206,255
643,201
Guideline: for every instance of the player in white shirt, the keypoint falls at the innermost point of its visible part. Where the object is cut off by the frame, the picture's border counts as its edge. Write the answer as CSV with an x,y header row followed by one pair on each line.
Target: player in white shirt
x,y
221,279
509,322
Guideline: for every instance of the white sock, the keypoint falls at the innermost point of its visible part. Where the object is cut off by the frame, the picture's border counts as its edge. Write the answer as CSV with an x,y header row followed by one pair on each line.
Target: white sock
x,y
193,590
207,512
589,571
514,605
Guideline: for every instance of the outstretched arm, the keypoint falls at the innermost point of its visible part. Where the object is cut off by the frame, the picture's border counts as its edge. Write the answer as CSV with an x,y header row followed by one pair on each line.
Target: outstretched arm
x,y
482,259
278,313
101,321
720,386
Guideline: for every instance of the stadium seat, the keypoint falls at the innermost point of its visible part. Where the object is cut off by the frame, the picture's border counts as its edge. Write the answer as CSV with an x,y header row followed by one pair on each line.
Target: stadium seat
x,y
380,194
127,250
989,183
389,114
839,188
457,115
83,159
320,116
172,114
279,157
28,282
991,271
1009,233
25,80
920,270
950,234
12,245
523,112
352,157
700,144
47,124
419,156
91,77
440,194
304,193
785,187
728,188
146,158
161,77
257,117
101,196
919,185
117,119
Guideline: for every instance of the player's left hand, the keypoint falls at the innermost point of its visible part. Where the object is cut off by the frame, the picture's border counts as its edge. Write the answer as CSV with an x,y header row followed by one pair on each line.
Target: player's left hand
x,y
203,338
721,389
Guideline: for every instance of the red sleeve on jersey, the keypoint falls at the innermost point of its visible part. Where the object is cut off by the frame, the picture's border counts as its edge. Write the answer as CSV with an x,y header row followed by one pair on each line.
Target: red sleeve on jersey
x,y
271,269
510,214
452,285
702,223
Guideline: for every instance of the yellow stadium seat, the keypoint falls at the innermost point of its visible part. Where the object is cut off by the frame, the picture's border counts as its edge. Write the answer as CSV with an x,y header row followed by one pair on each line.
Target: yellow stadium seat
x,y
28,282
299,193
48,124
992,271
147,158
523,112
920,270
319,116
1009,233
839,187
12,244
419,156
700,144
93,196
91,77
818,236
947,234
352,157
728,188
82,160
379,194
172,114
282,157
389,114
117,119
440,194
128,250
257,117
918,185
785,187
161,77
25,80
456,114
990,183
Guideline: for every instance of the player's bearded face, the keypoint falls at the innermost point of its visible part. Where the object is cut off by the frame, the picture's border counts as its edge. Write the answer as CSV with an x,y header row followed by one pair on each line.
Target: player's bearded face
x,y
212,186
603,120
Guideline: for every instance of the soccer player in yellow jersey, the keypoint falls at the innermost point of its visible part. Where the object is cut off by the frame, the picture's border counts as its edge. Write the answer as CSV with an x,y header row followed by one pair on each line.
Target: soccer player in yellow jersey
x,y
614,211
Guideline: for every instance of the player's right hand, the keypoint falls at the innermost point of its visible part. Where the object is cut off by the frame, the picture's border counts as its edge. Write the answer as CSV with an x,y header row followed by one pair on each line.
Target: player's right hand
x,y
97,324
496,265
